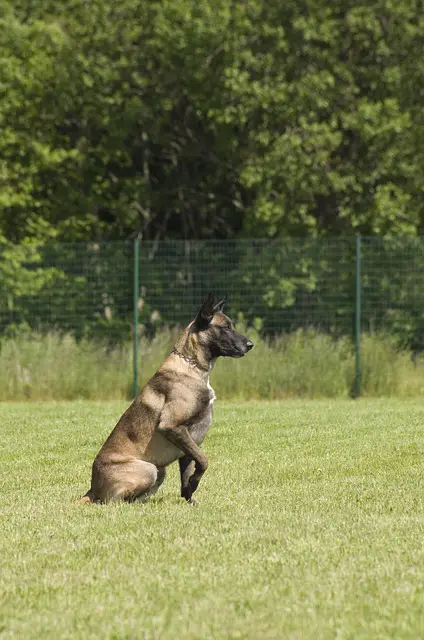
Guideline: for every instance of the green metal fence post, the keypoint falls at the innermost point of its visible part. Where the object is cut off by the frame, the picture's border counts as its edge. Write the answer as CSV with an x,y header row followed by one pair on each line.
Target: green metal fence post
x,y
358,319
136,289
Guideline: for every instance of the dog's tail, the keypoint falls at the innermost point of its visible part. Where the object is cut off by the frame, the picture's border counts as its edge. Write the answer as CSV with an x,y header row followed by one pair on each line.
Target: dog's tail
x,y
87,498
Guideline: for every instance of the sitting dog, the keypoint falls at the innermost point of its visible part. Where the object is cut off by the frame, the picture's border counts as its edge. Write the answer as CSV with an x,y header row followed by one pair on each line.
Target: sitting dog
x,y
170,417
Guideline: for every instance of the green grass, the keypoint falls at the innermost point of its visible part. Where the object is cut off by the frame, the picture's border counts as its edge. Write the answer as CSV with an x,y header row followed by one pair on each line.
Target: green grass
x,y
302,364
310,525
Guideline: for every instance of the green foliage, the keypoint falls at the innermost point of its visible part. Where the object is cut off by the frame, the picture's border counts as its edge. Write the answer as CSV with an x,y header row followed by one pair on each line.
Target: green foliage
x,y
211,118
23,274
330,132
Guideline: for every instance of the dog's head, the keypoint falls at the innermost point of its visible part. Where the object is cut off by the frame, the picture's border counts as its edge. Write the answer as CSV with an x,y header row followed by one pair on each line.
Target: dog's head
x,y
216,333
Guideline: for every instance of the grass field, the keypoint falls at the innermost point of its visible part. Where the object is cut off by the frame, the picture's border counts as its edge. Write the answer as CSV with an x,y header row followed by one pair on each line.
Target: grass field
x,y
310,525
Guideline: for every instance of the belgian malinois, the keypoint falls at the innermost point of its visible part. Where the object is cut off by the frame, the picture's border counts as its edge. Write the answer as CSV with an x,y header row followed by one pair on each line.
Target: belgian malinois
x,y
170,417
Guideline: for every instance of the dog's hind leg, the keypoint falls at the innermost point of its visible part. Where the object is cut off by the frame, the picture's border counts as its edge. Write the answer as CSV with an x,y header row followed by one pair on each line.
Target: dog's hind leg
x,y
159,480
126,480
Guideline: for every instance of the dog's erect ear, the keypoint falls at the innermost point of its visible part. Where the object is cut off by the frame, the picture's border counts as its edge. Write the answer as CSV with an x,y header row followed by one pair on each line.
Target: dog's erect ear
x,y
220,305
205,314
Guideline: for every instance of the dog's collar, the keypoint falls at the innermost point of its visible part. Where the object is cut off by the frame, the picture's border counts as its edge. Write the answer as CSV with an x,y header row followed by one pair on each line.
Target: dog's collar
x,y
191,361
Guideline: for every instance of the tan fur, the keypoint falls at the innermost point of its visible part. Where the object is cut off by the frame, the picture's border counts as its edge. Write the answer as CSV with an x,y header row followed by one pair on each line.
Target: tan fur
x,y
167,421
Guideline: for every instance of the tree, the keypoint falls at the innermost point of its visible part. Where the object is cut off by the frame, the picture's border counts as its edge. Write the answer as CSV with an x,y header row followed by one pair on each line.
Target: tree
x,y
183,119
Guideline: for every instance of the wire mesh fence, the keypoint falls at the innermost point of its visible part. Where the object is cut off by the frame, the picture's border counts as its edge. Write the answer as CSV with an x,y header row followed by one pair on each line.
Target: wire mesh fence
x,y
277,286
85,289
392,283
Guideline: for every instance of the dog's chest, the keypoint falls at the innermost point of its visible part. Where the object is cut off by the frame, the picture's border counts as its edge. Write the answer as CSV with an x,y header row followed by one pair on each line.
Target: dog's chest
x,y
203,422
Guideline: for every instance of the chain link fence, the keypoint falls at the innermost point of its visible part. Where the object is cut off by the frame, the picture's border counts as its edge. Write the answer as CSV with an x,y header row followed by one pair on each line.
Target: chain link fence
x,y
277,286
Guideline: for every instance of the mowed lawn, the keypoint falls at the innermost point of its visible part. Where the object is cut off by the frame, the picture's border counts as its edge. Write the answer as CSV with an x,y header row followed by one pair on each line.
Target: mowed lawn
x,y
310,525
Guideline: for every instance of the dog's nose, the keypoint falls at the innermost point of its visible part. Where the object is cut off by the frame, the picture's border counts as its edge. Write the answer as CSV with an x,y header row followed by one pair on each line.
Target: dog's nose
x,y
249,345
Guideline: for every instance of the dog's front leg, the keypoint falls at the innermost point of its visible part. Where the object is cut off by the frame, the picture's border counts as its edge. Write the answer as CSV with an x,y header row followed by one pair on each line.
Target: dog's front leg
x,y
197,462
187,469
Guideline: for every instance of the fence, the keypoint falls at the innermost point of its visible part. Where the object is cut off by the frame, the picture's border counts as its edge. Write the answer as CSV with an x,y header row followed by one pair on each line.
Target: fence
x,y
341,286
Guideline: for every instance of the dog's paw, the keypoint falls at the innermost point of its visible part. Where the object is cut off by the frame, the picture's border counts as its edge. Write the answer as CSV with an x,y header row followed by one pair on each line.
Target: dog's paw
x,y
188,490
193,483
187,494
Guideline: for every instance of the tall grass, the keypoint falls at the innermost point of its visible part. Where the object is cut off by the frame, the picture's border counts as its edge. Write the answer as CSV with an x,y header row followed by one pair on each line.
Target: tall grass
x,y
55,367
303,364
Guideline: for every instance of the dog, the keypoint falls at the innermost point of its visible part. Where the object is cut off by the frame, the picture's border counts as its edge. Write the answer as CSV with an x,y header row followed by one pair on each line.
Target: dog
x,y
169,418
